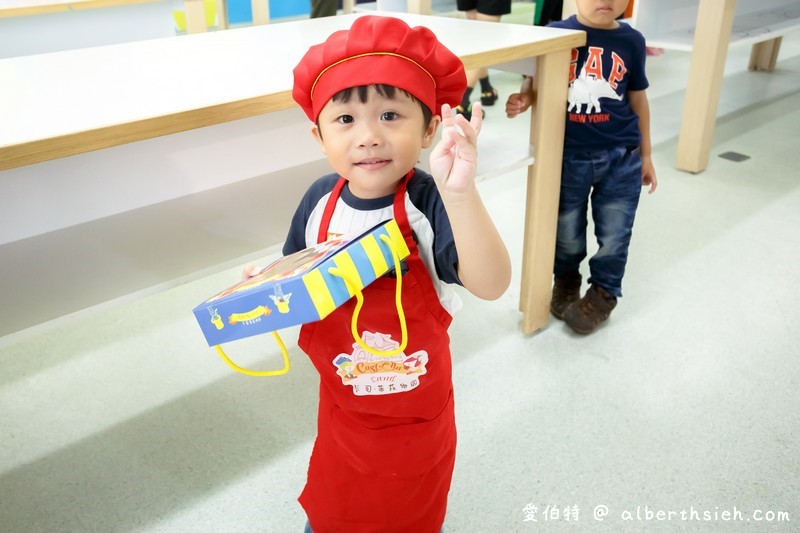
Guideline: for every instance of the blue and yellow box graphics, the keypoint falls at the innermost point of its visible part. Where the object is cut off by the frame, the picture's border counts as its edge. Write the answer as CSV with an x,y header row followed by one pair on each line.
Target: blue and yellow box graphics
x,y
299,288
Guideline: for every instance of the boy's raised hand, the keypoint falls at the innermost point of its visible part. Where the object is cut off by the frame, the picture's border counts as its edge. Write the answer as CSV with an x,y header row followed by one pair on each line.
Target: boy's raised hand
x,y
454,159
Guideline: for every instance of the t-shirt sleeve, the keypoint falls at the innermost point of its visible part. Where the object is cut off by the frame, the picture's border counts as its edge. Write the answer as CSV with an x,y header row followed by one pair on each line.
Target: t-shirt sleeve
x,y
445,255
444,247
296,239
638,81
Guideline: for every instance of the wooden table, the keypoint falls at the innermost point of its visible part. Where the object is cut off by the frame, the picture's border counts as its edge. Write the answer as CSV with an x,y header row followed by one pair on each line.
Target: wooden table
x,y
129,168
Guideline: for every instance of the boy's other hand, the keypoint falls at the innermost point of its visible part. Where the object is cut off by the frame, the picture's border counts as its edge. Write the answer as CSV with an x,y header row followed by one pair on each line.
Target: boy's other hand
x,y
518,103
454,159
249,271
649,174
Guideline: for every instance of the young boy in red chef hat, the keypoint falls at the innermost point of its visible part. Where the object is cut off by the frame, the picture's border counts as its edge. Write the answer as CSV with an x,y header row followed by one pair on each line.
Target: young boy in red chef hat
x,y
384,454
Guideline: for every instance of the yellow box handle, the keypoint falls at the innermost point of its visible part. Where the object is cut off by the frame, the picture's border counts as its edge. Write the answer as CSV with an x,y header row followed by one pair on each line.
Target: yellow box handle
x,y
258,373
353,287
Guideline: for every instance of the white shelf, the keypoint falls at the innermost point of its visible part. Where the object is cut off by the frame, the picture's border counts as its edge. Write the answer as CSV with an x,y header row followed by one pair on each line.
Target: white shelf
x,y
671,25
148,249
117,21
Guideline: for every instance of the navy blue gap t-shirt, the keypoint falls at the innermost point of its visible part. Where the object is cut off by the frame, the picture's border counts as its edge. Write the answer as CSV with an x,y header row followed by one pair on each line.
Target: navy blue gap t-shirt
x,y
599,115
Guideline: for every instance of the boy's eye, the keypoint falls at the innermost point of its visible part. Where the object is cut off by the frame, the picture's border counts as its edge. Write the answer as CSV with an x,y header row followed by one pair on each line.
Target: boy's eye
x,y
389,115
345,119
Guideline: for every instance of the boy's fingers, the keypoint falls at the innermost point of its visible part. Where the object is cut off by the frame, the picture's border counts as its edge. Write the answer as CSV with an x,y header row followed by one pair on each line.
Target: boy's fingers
x,y
464,129
477,117
248,271
447,115
444,145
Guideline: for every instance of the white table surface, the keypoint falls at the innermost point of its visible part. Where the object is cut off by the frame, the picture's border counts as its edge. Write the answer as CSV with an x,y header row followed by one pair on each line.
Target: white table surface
x,y
70,102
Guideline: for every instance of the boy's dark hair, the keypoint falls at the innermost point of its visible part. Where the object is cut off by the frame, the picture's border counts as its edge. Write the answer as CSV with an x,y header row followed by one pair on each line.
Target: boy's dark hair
x,y
387,91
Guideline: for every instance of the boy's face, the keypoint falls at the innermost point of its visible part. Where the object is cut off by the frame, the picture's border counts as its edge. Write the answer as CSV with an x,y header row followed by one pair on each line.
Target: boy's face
x,y
374,144
600,14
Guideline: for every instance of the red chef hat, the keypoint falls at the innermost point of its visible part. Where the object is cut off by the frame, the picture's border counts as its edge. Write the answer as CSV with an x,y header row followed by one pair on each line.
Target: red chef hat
x,y
379,50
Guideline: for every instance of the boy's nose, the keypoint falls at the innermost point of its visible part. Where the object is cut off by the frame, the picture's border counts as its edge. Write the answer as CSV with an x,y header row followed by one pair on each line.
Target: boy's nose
x,y
370,135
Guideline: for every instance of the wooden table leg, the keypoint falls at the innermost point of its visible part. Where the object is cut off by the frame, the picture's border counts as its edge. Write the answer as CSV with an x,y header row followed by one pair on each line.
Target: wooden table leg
x,y
421,7
222,14
544,180
260,9
195,16
710,48
764,55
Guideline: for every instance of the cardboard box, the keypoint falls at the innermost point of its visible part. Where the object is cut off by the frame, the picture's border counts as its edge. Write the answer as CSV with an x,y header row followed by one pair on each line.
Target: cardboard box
x,y
298,288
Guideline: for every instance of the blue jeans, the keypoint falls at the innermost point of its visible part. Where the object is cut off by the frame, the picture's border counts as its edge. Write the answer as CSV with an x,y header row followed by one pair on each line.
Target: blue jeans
x,y
613,181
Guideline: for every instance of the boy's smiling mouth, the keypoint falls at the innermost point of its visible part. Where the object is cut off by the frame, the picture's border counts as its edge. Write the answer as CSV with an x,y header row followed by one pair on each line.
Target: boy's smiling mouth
x,y
372,163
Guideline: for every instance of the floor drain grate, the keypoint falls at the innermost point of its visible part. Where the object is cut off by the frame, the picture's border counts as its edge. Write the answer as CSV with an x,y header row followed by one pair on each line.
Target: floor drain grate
x,y
736,157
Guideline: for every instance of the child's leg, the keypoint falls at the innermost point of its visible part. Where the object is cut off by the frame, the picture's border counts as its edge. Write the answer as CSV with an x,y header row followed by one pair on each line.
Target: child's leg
x,y
614,202
576,182
488,12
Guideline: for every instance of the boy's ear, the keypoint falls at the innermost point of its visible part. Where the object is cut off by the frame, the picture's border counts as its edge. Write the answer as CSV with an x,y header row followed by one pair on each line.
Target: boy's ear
x,y
318,136
430,131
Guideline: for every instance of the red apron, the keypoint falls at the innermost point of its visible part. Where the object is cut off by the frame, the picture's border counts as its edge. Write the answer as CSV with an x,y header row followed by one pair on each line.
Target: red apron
x,y
386,442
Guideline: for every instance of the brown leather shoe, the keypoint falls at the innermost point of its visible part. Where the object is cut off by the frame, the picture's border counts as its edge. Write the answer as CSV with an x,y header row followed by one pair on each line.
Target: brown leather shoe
x,y
590,311
566,289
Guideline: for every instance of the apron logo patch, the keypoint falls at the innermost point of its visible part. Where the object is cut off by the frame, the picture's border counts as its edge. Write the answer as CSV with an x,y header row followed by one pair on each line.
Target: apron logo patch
x,y
371,374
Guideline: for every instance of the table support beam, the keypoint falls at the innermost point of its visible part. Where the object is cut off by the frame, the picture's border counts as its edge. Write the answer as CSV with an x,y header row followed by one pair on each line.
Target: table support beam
x,y
710,48
544,183
764,55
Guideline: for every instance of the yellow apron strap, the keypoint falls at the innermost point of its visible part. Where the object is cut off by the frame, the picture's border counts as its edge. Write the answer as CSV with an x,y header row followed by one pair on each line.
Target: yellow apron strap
x,y
259,373
353,287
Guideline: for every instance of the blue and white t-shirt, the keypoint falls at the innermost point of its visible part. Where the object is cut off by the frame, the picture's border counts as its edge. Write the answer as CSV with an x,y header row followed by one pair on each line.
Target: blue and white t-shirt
x,y
426,215
612,62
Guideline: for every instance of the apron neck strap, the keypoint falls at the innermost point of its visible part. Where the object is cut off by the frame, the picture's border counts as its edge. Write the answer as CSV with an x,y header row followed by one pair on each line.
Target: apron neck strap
x,y
330,207
399,207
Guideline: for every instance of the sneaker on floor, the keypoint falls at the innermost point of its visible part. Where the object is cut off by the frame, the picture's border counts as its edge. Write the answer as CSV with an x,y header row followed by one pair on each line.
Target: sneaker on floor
x,y
489,97
590,311
468,112
566,289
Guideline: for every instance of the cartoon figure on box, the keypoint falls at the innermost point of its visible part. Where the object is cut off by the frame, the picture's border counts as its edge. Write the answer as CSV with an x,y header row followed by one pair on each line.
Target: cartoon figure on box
x,y
375,95
216,319
281,300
